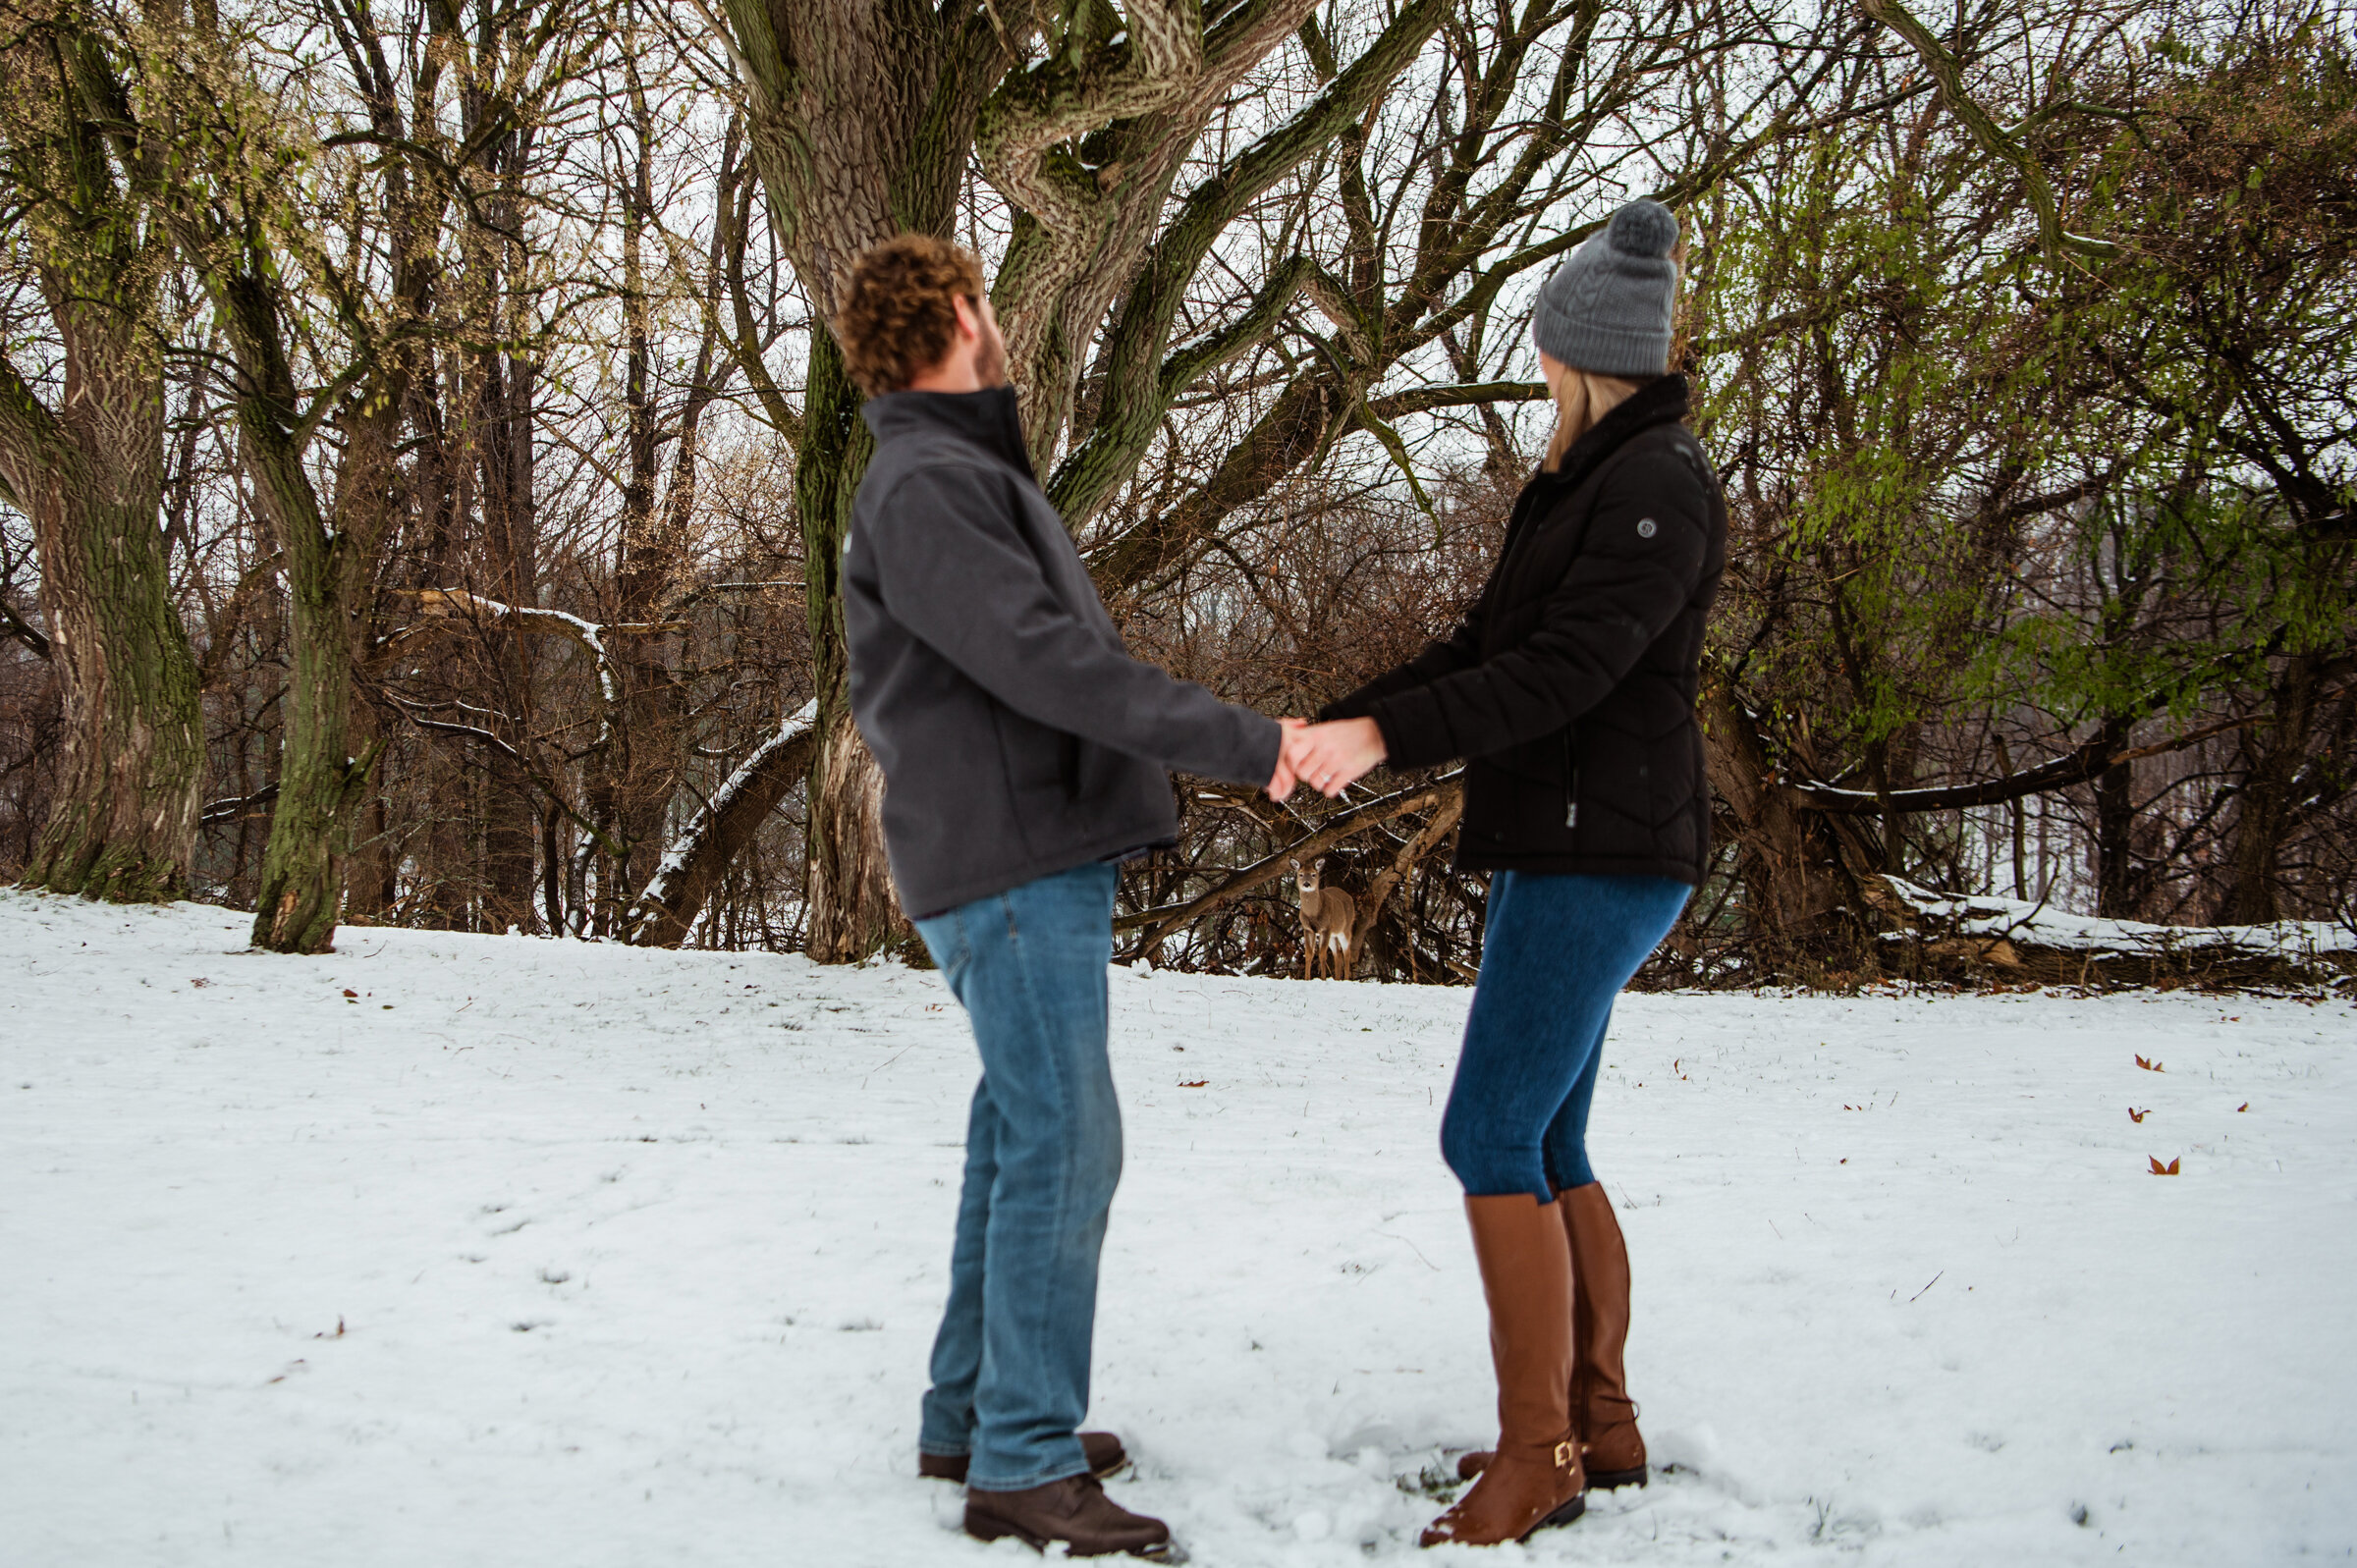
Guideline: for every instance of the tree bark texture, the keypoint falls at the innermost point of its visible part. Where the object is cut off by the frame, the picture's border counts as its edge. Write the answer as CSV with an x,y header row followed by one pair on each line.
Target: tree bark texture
x,y
2273,755
330,557
853,911
860,118
123,825
320,782
1802,896
1095,234
89,474
2116,883
850,909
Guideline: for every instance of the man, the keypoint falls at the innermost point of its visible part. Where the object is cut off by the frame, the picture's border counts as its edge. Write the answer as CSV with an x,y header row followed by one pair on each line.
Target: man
x,y
1023,754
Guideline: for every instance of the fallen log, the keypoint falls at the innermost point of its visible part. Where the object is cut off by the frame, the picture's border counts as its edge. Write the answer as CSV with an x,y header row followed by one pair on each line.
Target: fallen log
x,y
1981,938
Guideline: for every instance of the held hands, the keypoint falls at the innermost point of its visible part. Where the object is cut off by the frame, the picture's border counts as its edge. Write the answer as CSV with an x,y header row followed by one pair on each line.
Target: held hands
x,y
1282,782
1328,757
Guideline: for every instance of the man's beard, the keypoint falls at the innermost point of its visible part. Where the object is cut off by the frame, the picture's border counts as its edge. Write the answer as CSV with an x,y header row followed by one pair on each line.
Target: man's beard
x,y
990,359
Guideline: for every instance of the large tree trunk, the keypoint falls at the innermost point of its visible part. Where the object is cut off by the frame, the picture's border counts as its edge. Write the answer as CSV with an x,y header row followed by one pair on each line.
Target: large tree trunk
x,y
861,120
1799,894
329,566
123,825
510,825
89,476
850,909
2116,893
301,896
2272,755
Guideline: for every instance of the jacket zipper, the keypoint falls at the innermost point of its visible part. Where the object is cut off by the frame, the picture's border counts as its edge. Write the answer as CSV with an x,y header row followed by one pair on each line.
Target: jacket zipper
x,y
1570,782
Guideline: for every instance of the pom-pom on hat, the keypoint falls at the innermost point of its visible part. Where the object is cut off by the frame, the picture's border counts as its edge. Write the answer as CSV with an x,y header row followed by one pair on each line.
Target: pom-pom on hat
x,y
1608,307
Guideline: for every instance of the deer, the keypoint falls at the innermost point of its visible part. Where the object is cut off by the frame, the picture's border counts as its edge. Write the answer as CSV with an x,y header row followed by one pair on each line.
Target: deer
x,y
1328,918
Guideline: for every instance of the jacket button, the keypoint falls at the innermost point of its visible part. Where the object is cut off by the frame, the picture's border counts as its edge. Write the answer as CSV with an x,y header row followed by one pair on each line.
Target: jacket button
x,y
1646,529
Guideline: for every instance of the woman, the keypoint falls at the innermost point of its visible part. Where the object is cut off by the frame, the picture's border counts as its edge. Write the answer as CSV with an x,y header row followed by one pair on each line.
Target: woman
x,y
1569,688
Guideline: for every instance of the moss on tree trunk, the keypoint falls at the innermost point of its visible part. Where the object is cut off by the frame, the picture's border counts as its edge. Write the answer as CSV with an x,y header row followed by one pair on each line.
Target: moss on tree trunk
x,y
124,822
88,469
300,895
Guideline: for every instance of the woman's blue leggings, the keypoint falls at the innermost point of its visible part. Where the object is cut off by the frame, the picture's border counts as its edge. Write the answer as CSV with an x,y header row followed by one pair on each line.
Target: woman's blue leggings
x,y
1556,953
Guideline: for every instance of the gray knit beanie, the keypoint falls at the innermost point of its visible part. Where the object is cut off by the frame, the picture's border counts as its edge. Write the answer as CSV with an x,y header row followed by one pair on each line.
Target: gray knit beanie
x,y
1608,307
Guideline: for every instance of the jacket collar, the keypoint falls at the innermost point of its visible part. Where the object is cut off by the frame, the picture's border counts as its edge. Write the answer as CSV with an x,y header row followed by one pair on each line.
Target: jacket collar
x,y
1660,401
988,418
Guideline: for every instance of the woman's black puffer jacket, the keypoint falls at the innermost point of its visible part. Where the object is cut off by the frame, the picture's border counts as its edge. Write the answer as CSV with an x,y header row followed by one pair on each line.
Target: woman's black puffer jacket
x,y
1569,684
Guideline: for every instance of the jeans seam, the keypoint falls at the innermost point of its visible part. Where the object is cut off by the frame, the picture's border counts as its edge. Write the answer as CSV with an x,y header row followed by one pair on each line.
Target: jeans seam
x,y
1064,1087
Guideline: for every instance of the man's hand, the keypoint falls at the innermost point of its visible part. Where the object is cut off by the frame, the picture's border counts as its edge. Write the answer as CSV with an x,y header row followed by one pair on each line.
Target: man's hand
x,y
1282,782
1330,757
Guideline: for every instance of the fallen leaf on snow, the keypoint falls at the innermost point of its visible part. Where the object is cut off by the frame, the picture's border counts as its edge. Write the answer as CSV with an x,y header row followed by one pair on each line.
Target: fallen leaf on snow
x,y
2138,1116
2159,1170
2149,1067
1192,1083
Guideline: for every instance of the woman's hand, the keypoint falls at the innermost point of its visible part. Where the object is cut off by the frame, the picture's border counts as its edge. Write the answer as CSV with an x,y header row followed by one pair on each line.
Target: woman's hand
x,y
1330,757
1281,782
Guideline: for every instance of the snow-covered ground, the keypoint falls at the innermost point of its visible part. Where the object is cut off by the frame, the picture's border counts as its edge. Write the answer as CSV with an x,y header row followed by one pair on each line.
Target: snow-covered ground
x,y
536,1252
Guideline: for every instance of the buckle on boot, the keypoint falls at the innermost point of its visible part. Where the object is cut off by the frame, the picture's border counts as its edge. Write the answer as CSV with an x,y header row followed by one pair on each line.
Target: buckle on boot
x,y
1565,1452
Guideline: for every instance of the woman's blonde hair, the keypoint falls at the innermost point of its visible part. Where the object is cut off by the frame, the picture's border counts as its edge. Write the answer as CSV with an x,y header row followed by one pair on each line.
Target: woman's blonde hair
x,y
1581,398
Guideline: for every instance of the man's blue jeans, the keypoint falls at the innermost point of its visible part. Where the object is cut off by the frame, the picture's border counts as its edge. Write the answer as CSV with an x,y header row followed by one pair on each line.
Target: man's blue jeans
x,y
1554,953
1043,1153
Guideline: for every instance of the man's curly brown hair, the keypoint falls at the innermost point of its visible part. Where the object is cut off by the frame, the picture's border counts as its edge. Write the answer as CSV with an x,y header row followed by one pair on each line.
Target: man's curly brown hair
x,y
898,319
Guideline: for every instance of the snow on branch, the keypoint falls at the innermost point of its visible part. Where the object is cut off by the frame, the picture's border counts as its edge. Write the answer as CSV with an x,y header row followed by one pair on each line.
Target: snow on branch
x,y
661,895
590,635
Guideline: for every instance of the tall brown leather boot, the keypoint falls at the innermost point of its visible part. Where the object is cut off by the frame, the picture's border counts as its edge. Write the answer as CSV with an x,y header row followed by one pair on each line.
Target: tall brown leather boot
x,y
1611,1447
1534,1478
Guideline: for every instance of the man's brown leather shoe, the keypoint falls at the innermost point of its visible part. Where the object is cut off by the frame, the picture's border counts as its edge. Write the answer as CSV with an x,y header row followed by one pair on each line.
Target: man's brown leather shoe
x,y
1103,1450
1075,1511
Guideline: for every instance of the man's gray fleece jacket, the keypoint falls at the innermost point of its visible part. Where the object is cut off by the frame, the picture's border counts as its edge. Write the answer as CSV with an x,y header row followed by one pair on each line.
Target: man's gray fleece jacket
x,y
1018,736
